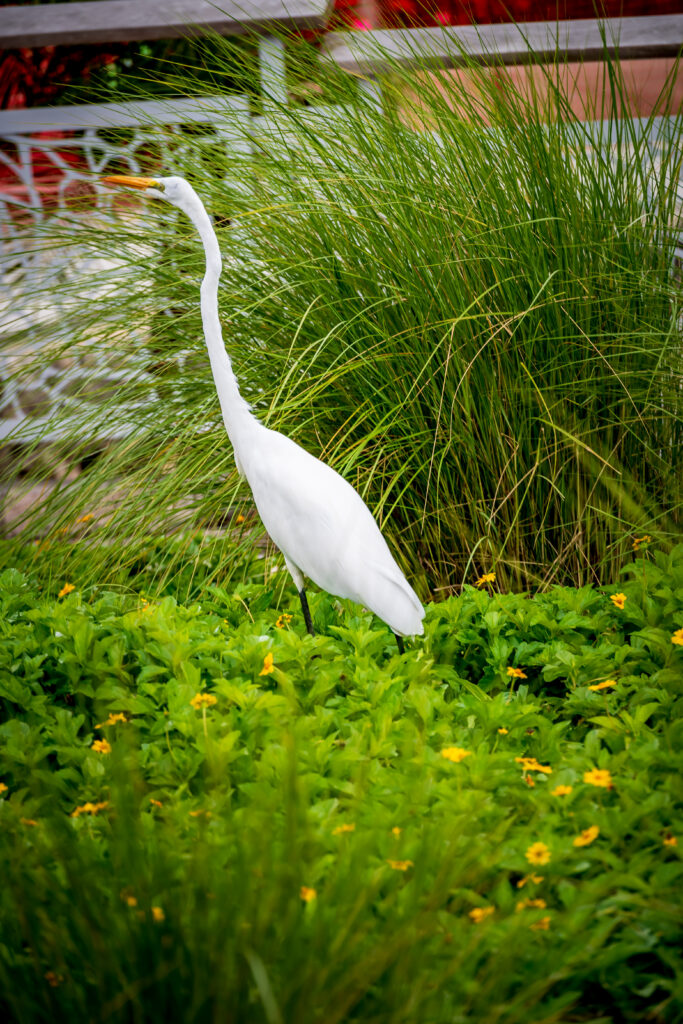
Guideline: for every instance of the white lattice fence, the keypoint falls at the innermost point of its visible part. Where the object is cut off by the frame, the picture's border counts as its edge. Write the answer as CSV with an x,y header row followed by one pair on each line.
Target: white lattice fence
x,y
52,162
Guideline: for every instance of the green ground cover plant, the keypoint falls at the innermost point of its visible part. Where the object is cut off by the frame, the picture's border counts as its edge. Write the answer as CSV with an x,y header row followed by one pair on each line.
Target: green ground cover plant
x,y
205,811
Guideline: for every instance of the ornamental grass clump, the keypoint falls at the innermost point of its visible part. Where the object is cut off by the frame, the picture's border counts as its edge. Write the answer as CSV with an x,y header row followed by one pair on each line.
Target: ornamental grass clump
x,y
464,299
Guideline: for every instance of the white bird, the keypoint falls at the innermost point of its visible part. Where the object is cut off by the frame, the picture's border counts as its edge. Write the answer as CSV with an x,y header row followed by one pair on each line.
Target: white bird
x,y
319,522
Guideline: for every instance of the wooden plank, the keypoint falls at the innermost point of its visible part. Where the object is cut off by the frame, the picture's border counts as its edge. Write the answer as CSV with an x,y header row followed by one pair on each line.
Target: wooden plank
x,y
524,43
146,113
106,21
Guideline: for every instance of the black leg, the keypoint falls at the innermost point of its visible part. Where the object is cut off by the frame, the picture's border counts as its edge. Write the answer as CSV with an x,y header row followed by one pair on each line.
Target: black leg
x,y
399,641
307,612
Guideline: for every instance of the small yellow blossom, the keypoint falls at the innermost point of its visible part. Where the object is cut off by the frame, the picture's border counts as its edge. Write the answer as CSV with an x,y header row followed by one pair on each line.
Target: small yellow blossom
x,y
86,518
587,836
307,894
541,926
670,840
3,787
199,813
158,914
203,700
481,913
637,541
604,685
515,673
340,829
112,720
283,620
531,904
155,803
618,600
268,666
239,519
488,577
529,781
102,747
530,764
400,865
538,853
66,589
455,754
89,808
561,791
536,879
53,979
677,638
599,777
28,821
503,731
396,831
131,901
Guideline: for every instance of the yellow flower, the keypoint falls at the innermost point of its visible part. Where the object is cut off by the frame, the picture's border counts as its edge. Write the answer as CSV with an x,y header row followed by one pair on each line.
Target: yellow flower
x,y
3,787
670,840
201,811
86,518
538,853
158,914
112,720
131,901
530,764
503,731
587,836
400,865
89,808
532,904
599,777
541,926
677,638
488,577
203,700
267,665
455,754
155,803
340,829
618,600
481,913
102,747
307,894
637,541
604,685
283,620
28,821
515,673
239,518
561,791
66,589
396,831
536,879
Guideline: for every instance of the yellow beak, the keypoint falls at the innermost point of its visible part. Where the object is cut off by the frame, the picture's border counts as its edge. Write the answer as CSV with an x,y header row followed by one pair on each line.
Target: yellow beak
x,y
131,180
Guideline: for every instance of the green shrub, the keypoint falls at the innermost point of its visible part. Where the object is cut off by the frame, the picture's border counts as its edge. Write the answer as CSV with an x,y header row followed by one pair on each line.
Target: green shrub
x,y
334,832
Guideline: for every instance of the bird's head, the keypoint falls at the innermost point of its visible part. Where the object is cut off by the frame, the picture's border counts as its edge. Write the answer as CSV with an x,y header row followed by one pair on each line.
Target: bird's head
x,y
173,189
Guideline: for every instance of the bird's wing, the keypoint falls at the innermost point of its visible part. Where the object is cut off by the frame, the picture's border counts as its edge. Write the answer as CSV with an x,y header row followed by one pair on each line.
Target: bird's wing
x,y
325,528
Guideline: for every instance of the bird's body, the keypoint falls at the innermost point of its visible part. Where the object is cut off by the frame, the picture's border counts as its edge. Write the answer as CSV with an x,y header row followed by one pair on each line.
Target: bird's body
x,y
319,522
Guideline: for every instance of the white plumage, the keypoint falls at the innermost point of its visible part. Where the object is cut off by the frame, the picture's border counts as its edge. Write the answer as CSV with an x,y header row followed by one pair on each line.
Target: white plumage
x,y
318,521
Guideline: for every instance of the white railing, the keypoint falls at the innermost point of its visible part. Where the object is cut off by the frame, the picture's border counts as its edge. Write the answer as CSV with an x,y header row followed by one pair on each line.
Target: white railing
x,y
77,144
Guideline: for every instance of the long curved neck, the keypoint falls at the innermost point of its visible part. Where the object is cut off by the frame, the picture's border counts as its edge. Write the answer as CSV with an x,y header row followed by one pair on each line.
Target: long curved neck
x,y
237,415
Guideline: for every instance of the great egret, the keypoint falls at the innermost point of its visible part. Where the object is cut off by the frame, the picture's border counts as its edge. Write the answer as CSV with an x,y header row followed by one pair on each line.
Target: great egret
x,y
318,521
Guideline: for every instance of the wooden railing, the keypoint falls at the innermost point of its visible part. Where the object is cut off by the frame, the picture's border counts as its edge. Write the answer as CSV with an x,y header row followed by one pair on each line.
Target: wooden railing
x,y
107,21
370,53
